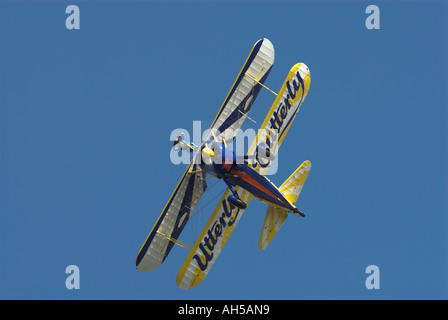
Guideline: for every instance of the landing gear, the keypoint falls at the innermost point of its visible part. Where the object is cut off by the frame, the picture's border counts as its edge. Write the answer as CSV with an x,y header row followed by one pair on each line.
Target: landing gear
x,y
235,198
236,202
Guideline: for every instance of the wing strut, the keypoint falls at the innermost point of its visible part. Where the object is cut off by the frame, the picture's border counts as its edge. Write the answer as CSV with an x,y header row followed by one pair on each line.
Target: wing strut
x,y
180,243
259,83
245,114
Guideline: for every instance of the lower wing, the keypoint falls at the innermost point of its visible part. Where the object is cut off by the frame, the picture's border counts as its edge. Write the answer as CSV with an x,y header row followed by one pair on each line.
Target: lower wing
x,y
211,241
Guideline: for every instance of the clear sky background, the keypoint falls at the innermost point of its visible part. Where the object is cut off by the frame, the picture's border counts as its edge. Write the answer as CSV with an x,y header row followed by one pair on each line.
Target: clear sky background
x,y
86,118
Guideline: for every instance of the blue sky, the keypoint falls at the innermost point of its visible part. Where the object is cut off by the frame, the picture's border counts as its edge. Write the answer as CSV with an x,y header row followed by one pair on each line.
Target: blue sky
x,y
86,117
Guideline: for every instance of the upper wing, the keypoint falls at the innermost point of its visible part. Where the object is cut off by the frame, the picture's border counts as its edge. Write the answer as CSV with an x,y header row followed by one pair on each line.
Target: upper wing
x,y
224,218
244,90
281,115
191,187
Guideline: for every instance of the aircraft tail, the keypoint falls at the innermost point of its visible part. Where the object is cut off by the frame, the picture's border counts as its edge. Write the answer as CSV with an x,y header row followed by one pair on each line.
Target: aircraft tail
x,y
275,217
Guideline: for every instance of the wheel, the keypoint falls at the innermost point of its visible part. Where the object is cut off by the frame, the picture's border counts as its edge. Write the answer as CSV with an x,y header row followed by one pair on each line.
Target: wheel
x,y
240,204
236,202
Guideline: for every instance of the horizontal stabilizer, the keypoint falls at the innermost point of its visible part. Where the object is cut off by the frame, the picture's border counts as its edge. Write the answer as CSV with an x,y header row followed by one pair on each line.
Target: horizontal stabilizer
x,y
275,217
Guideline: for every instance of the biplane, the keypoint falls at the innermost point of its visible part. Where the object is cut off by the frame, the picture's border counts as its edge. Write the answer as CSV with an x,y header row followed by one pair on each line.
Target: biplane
x,y
245,176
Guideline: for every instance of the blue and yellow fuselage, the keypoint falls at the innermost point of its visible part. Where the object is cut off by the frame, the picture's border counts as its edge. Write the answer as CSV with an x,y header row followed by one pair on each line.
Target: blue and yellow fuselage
x,y
222,163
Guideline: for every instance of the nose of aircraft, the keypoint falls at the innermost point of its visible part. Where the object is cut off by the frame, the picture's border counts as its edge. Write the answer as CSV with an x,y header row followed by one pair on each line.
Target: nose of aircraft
x,y
207,155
